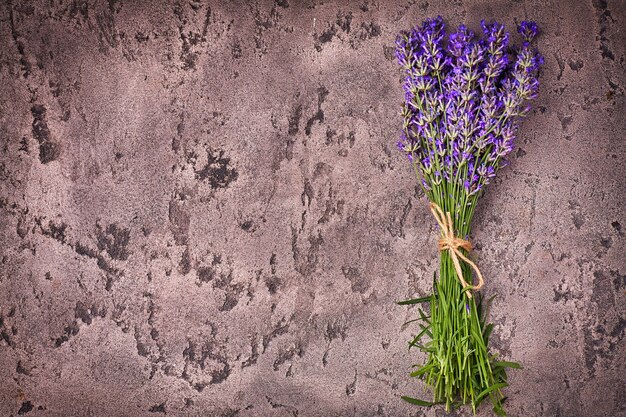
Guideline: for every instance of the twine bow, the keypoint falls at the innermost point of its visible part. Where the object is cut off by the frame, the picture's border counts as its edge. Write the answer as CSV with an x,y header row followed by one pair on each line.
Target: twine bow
x,y
452,244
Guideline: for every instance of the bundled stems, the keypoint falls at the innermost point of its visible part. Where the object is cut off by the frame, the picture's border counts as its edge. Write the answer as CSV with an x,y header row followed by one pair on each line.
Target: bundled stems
x,y
459,368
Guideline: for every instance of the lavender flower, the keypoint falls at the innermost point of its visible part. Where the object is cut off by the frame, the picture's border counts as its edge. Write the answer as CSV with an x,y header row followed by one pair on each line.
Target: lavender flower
x,y
464,97
528,30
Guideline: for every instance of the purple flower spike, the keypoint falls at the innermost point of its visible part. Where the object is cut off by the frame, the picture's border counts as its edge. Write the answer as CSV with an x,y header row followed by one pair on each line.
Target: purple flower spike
x,y
463,99
459,40
528,30
426,164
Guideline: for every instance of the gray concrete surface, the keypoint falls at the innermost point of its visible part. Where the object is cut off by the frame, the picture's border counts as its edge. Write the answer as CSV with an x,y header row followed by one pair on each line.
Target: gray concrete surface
x,y
203,212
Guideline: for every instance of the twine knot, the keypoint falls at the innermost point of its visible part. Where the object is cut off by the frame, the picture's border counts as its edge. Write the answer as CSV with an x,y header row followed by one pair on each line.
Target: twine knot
x,y
452,244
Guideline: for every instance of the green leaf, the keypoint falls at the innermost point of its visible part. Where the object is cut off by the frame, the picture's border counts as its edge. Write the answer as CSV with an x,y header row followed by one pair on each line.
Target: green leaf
x,y
487,331
466,289
416,401
484,307
414,301
489,390
425,330
505,364
499,410
423,316
421,371
435,284
424,348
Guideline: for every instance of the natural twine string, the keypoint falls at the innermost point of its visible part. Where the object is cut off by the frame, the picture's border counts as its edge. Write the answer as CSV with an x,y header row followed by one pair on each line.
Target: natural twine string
x,y
451,243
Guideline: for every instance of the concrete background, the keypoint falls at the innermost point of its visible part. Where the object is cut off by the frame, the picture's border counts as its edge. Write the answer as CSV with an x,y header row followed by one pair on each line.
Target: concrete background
x,y
204,214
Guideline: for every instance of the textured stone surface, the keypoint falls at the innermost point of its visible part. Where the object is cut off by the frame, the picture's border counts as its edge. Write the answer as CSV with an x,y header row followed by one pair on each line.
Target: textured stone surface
x,y
203,212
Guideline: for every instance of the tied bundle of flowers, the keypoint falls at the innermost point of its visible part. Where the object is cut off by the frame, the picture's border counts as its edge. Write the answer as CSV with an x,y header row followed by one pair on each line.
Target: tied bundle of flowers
x,y
464,98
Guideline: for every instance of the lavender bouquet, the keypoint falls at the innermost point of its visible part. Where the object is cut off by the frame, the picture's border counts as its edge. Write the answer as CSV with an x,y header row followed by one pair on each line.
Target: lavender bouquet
x,y
464,97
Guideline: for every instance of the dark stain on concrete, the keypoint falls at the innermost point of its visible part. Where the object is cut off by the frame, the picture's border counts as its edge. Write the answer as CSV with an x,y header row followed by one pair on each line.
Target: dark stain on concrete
x,y
5,333
49,150
26,407
605,19
254,354
322,93
306,260
336,329
158,408
358,282
207,363
54,230
280,329
111,272
575,65
206,274
285,355
294,120
179,219
114,240
185,263
218,170
273,284
86,313
351,387
307,194
68,332
369,30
